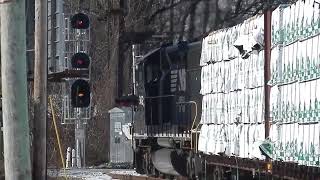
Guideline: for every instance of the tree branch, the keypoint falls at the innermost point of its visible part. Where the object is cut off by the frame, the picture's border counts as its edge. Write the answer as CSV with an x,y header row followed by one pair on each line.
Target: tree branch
x,y
162,10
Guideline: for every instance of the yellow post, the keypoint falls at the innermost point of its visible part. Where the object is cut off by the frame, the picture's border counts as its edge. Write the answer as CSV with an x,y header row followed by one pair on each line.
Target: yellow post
x,y
57,132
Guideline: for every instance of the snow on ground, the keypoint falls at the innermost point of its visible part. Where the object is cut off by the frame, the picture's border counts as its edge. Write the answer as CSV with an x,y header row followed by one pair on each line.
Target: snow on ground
x,y
125,172
85,174
90,174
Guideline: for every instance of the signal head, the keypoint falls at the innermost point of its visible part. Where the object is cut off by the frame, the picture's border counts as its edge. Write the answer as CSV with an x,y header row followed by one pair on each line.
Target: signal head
x,y
80,93
80,60
80,21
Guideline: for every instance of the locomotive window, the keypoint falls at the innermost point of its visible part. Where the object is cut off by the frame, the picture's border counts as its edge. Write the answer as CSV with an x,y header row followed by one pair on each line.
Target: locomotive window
x,y
164,61
153,73
149,74
140,75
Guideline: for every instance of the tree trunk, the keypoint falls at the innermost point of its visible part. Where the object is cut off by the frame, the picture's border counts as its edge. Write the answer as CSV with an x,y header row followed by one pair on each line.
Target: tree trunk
x,y
40,92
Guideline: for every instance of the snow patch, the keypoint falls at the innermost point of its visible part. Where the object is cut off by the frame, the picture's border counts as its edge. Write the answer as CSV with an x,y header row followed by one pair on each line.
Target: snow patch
x,y
86,174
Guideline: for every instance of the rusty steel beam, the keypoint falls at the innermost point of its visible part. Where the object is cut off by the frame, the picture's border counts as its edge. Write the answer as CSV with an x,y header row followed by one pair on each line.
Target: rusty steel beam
x,y
267,70
287,170
236,162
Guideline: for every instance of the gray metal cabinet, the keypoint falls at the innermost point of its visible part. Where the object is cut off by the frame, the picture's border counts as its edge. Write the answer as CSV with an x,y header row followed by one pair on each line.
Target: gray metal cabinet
x,y
120,139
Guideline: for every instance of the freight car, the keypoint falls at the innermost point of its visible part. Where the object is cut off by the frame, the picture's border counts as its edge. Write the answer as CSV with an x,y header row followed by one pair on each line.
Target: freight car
x,y
242,103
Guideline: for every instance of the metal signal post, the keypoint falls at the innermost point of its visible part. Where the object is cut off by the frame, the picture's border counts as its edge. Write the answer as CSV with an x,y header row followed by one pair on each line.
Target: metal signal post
x,y
69,63
80,89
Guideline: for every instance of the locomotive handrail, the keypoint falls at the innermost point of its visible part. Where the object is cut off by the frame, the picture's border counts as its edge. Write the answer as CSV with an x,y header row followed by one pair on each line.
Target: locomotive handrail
x,y
193,122
154,97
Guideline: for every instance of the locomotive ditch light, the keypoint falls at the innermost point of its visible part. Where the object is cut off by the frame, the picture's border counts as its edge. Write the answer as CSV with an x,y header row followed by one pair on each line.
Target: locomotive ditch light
x,y
80,60
80,93
80,21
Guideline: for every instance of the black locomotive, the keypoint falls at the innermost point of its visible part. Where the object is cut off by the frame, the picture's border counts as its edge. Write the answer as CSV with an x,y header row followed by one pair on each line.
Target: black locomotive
x,y
168,85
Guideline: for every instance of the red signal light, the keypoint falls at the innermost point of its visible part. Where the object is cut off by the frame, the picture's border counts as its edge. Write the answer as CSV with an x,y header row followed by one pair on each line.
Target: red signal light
x,y
80,21
80,61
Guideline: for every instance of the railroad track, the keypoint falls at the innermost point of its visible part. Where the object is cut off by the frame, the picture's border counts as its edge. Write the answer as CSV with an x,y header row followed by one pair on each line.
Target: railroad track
x,y
138,177
131,177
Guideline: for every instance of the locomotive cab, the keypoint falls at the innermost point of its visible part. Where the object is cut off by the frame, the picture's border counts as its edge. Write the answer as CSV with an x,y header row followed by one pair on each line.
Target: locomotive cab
x,y
167,80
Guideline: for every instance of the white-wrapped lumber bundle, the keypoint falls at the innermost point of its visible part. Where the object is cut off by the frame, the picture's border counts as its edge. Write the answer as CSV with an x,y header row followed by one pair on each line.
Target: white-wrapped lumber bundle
x,y
233,140
295,92
232,80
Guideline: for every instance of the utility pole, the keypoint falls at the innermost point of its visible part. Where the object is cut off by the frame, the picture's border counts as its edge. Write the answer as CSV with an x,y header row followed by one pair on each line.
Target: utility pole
x,y
14,90
40,92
